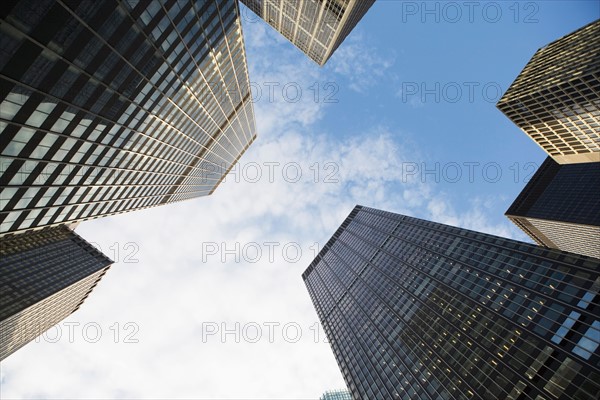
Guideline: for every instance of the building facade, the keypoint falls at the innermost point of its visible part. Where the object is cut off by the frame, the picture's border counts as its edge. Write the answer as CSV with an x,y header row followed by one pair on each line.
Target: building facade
x,y
108,107
419,310
560,207
336,395
316,27
45,275
555,100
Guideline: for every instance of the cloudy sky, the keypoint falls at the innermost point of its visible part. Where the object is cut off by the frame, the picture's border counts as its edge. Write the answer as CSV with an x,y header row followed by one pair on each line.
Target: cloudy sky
x,y
206,299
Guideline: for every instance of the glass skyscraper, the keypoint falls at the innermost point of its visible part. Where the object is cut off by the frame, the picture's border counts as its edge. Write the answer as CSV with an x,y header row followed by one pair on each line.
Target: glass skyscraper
x,y
560,207
420,310
336,395
45,275
113,106
316,27
555,100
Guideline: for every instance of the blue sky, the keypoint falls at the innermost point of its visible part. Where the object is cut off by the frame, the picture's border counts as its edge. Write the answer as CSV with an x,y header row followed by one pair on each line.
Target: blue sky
x,y
429,48
179,289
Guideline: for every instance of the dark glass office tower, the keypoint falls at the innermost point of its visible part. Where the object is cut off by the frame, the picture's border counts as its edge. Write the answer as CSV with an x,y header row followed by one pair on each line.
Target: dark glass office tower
x,y
113,106
555,100
560,207
45,275
336,395
419,310
316,27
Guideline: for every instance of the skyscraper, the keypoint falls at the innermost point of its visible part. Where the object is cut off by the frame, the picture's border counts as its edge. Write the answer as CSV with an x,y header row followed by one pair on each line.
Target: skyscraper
x,y
45,275
560,207
420,310
336,395
317,27
555,100
108,107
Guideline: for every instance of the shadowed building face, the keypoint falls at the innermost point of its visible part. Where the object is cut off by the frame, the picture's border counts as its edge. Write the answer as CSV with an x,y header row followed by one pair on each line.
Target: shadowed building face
x,y
560,207
45,275
416,309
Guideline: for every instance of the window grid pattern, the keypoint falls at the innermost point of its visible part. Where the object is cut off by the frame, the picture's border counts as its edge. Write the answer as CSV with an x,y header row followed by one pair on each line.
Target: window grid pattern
x,y
122,106
336,395
556,98
45,275
317,27
580,239
416,309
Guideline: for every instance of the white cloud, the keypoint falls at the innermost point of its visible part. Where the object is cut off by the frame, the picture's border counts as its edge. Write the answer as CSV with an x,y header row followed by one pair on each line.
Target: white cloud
x,y
359,63
170,293
414,99
476,218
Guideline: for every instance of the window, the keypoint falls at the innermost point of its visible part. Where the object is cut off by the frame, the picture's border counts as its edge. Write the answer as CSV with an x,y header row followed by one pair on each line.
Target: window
x,y
589,342
562,378
566,327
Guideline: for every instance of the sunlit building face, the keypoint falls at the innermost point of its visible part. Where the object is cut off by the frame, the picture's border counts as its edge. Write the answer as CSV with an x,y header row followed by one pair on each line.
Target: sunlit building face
x,y
108,107
316,27
555,100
